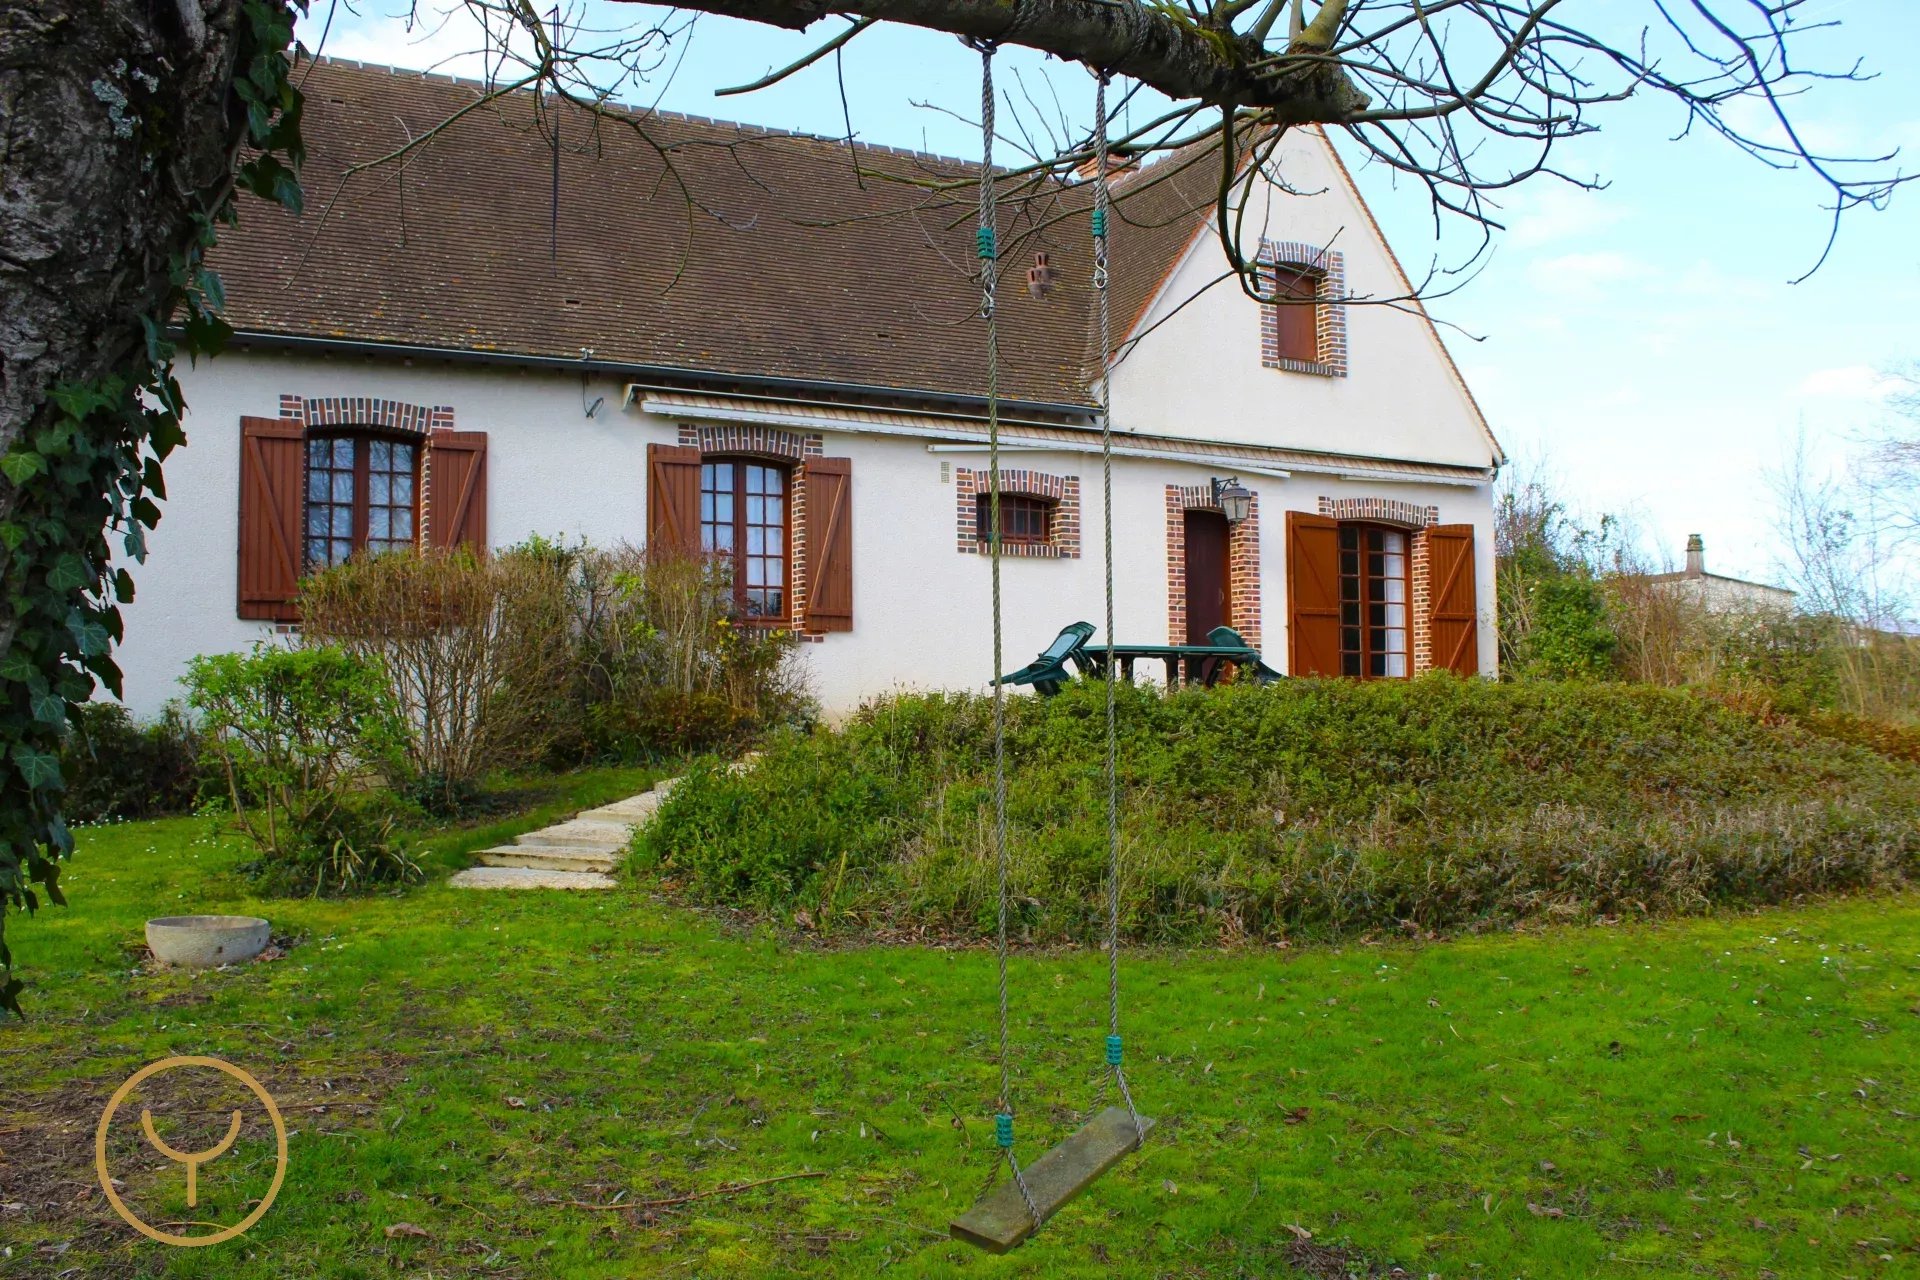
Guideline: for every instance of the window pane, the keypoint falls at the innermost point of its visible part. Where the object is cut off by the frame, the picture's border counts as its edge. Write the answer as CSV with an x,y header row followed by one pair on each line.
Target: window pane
x,y
403,524
378,523
316,519
343,453
316,486
343,486
380,455
756,510
1396,665
380,488
403,488
342,522
756,540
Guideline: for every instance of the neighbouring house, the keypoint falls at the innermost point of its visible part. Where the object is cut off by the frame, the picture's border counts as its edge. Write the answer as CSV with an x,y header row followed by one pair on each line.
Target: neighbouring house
x,y
1717,593
769,344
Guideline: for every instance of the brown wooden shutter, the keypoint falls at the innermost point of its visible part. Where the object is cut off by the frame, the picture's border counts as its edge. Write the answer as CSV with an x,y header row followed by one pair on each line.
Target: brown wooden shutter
x,y
1454,616
1313,595
457,489
829,495
673,497
1296,319
272,482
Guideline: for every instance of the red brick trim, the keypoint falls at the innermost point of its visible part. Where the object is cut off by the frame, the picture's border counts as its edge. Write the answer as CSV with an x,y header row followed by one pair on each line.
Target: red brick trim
x,y
1330,267
1380,511
1420,602
765,442
366,411
1063,523
1243,563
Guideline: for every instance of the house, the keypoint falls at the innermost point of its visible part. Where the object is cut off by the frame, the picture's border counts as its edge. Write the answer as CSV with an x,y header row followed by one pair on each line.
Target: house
x,y
1717,593
769,343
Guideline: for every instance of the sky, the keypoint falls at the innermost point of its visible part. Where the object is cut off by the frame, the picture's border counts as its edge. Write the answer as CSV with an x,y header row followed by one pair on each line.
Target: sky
x,y
1643,345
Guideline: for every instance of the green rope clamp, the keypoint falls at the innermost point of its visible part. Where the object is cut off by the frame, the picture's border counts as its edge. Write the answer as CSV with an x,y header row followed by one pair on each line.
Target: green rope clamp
x,y
985,237
1003,1130
1113,1051
1100,222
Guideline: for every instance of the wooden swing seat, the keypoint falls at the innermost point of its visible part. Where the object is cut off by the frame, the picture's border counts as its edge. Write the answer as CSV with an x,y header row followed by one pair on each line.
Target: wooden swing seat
x,y
1001,1221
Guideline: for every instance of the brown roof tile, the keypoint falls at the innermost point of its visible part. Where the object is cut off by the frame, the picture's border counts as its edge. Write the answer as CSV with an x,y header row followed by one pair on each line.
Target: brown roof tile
x,y
682,242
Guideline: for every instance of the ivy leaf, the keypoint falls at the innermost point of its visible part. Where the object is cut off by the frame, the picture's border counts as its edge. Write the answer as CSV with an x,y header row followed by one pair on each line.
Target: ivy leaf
x,y
136,543
69,574
88,635
13,535
62,840
48,707
39,769
23,465
19,668
123,586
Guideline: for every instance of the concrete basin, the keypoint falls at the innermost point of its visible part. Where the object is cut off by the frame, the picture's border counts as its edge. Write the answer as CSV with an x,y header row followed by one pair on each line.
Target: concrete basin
x,y
203,942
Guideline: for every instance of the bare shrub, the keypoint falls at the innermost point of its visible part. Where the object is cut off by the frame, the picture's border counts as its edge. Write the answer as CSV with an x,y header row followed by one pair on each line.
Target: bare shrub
x,y
478,652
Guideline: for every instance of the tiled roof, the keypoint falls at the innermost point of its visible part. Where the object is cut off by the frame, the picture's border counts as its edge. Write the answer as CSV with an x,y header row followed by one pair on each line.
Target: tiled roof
x,y
682,242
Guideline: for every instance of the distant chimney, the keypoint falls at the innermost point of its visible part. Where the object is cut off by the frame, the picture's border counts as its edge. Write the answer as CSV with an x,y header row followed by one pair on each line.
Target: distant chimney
x,y
1696,556
1118,162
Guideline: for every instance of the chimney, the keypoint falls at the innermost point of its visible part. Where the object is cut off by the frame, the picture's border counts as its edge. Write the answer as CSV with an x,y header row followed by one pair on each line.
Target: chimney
x,y
1696,556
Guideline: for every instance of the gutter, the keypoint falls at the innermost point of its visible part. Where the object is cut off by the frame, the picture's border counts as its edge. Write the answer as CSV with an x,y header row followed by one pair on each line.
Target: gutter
x,y
626,370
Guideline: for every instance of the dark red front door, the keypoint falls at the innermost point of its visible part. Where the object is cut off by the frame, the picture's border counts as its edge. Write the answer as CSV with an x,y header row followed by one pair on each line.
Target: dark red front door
x,y
1208,601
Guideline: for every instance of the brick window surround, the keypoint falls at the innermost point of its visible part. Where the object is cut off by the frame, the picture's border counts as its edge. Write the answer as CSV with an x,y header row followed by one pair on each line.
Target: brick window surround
x,y
1330,315
1243,563
740,441
322,412
1415,519
1063,521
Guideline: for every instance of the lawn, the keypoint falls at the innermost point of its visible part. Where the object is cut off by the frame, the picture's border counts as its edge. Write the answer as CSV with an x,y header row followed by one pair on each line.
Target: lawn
x,y
1727,1096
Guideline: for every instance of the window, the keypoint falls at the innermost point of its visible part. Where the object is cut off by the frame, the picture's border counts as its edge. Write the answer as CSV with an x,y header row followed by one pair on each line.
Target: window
x,y
1296,313
743,516
1023,520
1373,601
362,495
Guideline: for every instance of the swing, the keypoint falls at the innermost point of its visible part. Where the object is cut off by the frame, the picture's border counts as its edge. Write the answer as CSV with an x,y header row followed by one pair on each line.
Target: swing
x,y
1012,1211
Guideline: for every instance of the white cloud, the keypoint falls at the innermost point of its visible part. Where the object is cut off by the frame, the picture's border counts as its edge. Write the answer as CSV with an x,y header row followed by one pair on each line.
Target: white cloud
x,y
1851,382
1588,275
1551,213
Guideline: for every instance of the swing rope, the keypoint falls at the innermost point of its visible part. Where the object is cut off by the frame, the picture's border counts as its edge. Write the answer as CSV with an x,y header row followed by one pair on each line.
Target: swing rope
x,y
1102,202
989,273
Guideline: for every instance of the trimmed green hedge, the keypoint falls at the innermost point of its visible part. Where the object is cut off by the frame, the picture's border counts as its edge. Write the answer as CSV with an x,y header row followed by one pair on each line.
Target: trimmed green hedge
x,y
1317,807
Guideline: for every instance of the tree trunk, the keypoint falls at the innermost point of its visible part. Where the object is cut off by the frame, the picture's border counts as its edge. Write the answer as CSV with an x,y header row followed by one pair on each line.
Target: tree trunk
x,y
118,126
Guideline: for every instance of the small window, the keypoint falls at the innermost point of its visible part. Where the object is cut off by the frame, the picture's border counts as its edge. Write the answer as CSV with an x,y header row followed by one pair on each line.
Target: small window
x,y
1023,520
743,516
1296,293
362,495
1373,602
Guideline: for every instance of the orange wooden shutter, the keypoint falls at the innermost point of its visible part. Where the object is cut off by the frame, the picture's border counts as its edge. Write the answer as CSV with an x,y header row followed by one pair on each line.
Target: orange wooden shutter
x,y
829,495
1454,617
1313,595
272,477
457,489
673,497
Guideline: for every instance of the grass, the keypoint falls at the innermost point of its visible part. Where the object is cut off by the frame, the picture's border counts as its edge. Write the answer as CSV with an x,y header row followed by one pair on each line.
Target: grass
x,y
1726,1096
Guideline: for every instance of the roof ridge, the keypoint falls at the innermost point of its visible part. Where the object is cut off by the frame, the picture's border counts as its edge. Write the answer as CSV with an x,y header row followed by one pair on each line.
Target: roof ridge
x,y
659,113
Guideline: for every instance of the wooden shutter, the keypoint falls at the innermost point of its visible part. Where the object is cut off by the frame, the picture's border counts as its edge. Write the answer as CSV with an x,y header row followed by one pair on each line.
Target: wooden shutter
x,y
673,497
1296,318
457,489
272,497
1454,616
1313,595
829,496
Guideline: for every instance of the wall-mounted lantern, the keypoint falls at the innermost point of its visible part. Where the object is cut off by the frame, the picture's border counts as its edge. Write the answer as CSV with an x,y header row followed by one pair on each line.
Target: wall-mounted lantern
x,y
1233,499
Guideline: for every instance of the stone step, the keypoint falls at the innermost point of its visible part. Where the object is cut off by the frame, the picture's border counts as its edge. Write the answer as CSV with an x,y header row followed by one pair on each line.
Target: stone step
x,y
528,878
632,811
580,831
662,787
551,857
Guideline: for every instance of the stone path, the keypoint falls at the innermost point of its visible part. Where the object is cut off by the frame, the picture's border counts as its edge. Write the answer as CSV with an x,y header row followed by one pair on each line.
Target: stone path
x,y
579,853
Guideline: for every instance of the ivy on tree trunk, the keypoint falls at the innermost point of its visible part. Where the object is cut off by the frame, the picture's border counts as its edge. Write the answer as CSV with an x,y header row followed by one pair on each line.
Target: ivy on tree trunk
x,y
127,126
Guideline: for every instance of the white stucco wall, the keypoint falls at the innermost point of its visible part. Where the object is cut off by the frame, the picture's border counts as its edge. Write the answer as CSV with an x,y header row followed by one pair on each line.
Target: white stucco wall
x,y
1198,372
921,607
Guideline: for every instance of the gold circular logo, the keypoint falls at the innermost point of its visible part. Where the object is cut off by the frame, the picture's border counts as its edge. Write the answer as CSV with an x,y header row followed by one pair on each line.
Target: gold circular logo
x,y
194,1160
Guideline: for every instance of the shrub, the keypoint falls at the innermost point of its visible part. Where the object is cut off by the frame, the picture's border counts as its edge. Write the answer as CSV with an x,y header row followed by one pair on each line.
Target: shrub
x,y
116,768
294,730
1319,807
664,664
477,654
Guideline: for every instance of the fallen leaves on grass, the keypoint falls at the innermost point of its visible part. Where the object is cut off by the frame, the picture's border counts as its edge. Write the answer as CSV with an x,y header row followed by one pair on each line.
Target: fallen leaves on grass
x,y
399,1229
1545,1210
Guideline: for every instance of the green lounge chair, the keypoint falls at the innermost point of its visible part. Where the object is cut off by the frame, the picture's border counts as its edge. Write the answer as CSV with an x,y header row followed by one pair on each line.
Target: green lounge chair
x,y
1048,672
